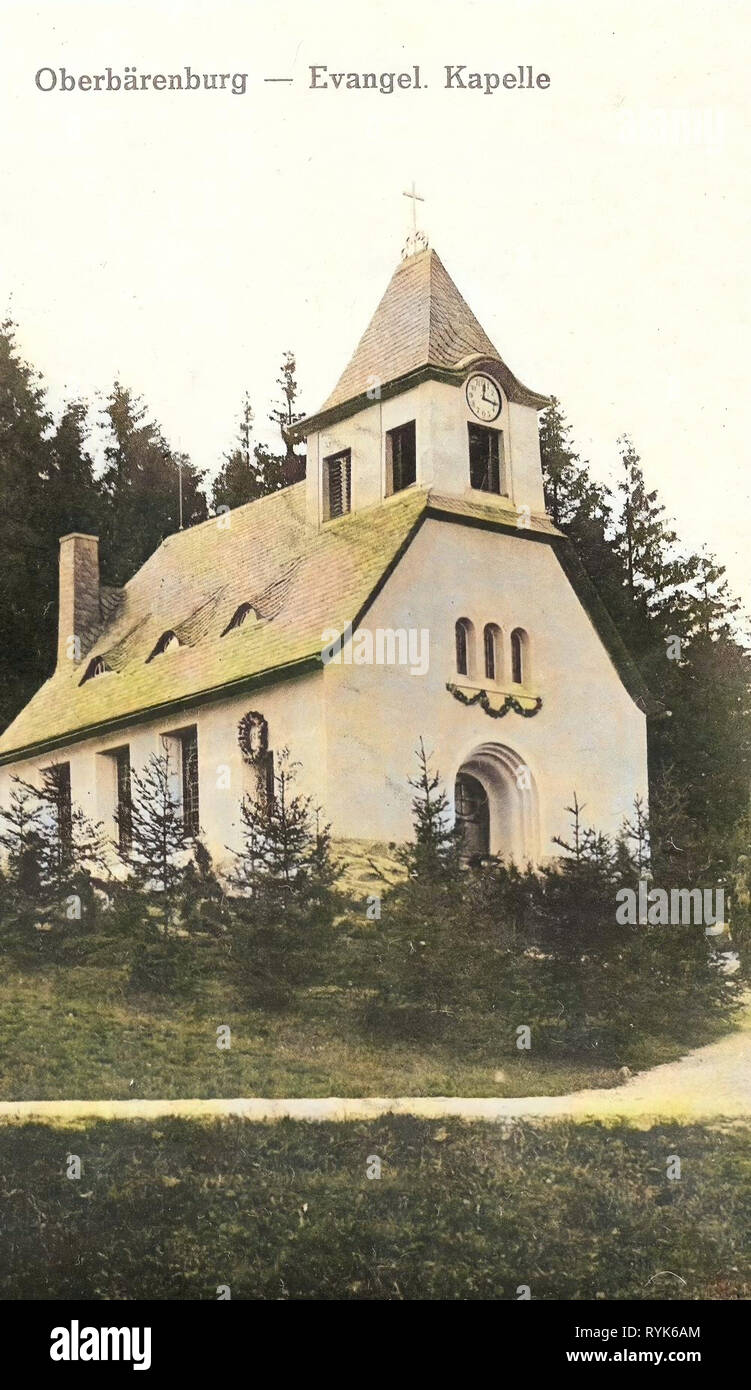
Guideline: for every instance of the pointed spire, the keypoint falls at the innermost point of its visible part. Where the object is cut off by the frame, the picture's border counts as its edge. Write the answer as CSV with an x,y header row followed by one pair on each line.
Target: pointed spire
x,y
422,320
422,325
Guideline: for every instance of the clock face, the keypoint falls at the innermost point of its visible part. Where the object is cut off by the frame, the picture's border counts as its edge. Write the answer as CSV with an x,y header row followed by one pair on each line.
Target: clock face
x,y
484,397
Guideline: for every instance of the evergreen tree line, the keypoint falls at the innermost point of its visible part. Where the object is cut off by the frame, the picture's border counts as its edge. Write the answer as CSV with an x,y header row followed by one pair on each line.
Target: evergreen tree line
x,y
466,948
673,609
63,881
51,485
442,949
684,628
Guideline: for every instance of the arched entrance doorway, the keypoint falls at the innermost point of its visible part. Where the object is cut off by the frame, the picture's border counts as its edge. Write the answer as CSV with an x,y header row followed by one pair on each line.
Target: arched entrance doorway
x,y
472,814
495,801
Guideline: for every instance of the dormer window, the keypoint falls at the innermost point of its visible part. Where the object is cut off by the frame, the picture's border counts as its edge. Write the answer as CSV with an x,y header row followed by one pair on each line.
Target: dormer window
x,y
246,610
96,667
337,484
401,458
167,642
486,459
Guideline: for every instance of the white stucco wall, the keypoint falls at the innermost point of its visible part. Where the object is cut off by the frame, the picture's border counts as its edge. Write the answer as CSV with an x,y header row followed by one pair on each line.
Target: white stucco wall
x,y
354,728
441,415
589,735
295,718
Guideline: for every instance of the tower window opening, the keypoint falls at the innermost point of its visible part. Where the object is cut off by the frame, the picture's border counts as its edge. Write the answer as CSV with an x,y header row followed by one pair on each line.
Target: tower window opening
x,y
485,459
337,482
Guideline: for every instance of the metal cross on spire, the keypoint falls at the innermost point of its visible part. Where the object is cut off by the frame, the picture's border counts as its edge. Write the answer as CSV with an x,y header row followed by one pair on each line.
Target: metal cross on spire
x,y
416,241
416,198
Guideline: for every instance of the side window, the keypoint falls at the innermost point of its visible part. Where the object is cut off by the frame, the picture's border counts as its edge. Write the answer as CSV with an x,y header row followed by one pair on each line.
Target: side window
x,y
57,782
337,484
189,770
124,803
401,458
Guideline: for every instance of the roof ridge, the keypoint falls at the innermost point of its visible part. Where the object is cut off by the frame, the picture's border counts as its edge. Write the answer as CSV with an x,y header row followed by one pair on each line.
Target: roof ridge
x,y
175,536
233,511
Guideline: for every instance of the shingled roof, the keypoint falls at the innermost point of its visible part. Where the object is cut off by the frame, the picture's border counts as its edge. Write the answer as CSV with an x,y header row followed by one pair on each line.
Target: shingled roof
x,y
422,325
299,581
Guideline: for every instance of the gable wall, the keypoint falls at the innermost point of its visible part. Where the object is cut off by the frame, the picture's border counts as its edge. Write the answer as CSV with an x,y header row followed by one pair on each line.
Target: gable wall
x,y
588,736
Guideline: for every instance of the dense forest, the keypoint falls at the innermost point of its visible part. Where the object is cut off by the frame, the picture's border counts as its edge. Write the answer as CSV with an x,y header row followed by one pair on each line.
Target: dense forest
x,y
673,608
50,485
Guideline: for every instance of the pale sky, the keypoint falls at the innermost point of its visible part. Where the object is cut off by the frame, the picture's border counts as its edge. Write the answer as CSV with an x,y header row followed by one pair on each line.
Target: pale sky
x,y
599,229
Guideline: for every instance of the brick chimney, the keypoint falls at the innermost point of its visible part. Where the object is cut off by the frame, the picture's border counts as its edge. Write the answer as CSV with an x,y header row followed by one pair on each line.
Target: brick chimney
x,y
78,609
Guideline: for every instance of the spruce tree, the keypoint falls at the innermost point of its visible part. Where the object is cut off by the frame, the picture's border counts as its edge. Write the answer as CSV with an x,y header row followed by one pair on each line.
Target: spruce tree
x,y
561,464
278,470
25,622
286,854
141,484
240,479
434,854
54,855
157,846
683,626
580,506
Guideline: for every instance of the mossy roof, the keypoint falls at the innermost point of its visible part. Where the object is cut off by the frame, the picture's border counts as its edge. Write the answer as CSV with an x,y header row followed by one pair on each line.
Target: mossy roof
x,y
299,580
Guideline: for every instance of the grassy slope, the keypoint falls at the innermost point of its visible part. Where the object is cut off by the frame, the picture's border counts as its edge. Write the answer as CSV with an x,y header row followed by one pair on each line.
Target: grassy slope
x,y
75,1032
287,1211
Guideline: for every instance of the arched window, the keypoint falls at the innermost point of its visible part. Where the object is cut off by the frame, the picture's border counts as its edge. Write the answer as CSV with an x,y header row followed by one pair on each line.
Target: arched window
x,y
239,616
464,653
166,642
519,656
493,652
96,667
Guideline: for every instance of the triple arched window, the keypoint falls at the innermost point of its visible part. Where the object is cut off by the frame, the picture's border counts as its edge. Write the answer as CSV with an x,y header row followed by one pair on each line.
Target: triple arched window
x,y
493,654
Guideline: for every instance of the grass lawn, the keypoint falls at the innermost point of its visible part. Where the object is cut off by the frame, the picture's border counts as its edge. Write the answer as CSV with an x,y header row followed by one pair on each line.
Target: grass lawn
x,y
287,1211
76,1032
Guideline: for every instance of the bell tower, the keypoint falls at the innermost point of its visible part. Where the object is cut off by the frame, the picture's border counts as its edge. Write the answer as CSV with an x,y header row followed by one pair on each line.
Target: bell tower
x,y
425,401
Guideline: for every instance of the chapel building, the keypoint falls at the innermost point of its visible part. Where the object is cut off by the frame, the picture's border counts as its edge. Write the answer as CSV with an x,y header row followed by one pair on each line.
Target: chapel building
x,y
419,535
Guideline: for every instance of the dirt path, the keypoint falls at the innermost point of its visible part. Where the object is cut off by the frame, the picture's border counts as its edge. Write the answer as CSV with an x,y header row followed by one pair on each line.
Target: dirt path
x,y
711,1083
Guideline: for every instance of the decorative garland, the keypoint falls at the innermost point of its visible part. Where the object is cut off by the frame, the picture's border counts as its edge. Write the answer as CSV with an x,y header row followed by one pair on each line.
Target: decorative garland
x,y
482,698
253,736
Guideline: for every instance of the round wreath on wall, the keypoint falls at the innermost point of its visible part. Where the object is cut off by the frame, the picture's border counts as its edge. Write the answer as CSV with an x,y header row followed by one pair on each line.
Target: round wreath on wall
x,y
253,736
